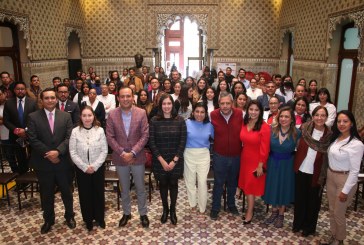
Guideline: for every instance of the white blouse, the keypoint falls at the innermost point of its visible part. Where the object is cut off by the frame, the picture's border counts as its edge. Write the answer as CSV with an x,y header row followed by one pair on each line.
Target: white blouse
x,y
346,157
88,147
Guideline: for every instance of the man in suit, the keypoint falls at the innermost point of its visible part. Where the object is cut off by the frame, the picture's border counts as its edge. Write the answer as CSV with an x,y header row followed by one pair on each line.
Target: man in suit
x,y
156,74
16,111
127,132
270,91
155,84
49,132
64,104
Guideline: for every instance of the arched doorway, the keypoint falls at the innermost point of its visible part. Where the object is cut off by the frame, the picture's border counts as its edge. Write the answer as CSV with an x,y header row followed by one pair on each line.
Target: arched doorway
x,y
74,55
10,51
182,40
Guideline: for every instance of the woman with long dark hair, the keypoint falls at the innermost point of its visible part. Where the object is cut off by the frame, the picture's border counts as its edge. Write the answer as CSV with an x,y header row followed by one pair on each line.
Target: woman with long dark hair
x,y
88,150
199,90
183,104
167,142
279,187
255,137
312,91
345,154
238,87
197,156
301,111
223,86
286,89
241,101
210,99
323,98
308,162
83,95
143,102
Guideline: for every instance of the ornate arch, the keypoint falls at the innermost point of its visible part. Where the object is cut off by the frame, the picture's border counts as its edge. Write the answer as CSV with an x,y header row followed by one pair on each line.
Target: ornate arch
x,y
283,32
79,31
164,20
358,18
22,21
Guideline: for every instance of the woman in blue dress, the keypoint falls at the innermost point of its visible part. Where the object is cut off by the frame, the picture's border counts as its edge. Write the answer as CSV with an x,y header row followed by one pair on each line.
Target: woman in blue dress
x,y
279,187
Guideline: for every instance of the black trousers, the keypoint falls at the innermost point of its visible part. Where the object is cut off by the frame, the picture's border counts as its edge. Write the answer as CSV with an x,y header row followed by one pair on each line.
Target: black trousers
x,y
168,183
48,181
307,203
21,158
91,193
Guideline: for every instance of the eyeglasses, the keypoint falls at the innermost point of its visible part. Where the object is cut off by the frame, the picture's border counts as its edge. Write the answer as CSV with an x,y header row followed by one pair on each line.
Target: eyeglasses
x,y
20,89
92,93
62,92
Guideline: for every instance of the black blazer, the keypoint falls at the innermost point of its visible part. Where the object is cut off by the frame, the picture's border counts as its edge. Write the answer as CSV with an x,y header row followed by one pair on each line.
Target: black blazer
x,y
11,118
150,95
42,140
73,109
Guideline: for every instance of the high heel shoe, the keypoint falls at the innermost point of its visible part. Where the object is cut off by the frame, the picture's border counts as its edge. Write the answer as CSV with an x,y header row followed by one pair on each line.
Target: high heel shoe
x,y
164,216
173,217
247,222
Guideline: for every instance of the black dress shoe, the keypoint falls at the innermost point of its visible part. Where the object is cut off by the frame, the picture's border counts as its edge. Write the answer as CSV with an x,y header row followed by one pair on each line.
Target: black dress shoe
x,y
164,216
46,227
71,223
89,226
294,229
173,217
124,220
307,233
102,224
144,220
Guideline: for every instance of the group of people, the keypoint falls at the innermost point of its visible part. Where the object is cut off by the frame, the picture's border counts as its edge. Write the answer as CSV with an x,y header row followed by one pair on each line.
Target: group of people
x,y
270,139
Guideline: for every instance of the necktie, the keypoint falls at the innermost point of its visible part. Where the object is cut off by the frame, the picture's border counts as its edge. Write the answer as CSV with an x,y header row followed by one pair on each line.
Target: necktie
x,y
62,106
50,120
154,96
21,113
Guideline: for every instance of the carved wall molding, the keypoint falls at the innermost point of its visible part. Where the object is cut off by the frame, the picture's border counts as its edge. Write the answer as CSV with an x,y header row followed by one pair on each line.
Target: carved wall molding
x,y
47,63
78,30
284,30
358,18
165,19
22,21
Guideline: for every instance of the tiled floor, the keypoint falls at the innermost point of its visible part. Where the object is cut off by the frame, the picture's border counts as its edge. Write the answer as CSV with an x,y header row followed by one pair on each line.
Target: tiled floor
x,y
23,227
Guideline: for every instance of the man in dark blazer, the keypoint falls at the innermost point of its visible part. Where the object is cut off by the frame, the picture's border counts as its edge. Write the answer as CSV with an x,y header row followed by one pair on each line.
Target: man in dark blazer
x,y
16,111
155,84
127,133
270,91
64,104
49,131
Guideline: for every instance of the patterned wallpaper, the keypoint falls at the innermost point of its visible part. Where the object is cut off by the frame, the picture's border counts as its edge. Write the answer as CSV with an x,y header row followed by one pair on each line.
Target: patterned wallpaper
x,y
47,24
248,28
310,19
115,28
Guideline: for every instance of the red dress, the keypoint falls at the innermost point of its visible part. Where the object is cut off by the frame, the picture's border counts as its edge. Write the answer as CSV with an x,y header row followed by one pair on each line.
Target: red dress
x,y
256,146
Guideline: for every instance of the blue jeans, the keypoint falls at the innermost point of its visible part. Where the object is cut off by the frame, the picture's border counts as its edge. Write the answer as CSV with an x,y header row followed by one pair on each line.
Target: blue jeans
x,y
226,170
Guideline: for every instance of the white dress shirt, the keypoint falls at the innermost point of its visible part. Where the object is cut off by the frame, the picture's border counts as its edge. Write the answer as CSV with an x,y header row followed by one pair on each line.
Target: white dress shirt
x,y
108,101
346,157
254,93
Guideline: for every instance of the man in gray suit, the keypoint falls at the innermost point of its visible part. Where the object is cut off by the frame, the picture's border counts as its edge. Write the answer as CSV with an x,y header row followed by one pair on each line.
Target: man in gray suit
x,y
127,132
49,131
